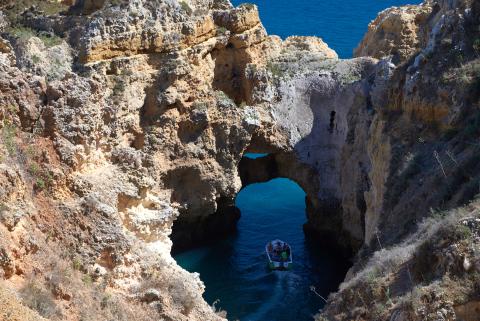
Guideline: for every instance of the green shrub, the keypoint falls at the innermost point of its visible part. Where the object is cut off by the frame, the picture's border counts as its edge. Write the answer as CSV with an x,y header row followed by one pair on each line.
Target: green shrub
x,y
350,77
223,99
467,74
476,46
34,168
48,8
87,280
40,184
221,30
378,310
119,87
9,133
35,59
459,58
24,33
275,69
77,264
461,232
247,5
50,40
185,7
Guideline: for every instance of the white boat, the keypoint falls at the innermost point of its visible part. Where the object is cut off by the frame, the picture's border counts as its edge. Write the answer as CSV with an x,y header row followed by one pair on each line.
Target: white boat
x,y
279,255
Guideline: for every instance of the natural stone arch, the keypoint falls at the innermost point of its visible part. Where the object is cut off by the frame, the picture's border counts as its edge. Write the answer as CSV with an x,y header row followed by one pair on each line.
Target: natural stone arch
x,y
324,219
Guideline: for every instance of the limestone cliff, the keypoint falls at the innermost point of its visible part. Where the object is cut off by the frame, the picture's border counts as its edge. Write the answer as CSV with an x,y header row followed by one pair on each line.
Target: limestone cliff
x,y
123,120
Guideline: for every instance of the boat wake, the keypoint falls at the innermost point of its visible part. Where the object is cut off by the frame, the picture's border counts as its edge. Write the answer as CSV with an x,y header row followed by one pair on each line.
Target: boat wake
x,y
286,285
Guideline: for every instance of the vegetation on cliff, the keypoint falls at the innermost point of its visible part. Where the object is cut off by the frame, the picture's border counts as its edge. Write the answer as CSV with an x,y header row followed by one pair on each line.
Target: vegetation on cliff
x,y
118,118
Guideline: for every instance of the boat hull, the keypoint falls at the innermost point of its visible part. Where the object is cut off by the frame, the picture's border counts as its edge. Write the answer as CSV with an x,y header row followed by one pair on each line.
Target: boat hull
x,y
280,265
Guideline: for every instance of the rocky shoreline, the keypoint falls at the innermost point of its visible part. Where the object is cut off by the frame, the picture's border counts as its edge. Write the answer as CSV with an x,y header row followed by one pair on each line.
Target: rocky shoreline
x,y
121,120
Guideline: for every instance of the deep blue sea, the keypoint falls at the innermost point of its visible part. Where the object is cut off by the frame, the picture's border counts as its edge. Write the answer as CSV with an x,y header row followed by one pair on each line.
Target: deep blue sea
x,y
340,23
235,270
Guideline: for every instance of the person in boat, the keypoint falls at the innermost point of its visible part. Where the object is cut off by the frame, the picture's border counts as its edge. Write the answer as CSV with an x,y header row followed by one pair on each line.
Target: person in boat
x,y
277,249
272,249
284,256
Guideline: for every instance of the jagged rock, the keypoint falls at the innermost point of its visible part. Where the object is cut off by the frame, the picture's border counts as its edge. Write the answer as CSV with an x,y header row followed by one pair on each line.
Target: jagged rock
x,y
99,271
151,295
51,62
10,217
3,21
150,126
399,316
6,48
398,32
89,6
12,187
6,263
468,311
239,19
466,264
60,292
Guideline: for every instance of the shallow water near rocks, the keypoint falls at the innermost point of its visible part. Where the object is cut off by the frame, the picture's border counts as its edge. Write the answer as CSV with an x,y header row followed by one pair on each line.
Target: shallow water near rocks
x,y
235,270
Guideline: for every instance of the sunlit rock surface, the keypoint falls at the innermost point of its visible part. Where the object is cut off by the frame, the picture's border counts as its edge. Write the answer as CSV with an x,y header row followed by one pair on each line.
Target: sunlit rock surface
x,y
121,118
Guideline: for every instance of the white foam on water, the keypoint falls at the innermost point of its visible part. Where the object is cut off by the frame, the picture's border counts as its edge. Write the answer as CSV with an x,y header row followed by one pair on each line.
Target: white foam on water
x,y
285,285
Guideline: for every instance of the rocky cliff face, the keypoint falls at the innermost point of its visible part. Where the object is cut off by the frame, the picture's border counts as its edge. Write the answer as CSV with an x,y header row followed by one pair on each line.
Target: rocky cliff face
x,y
120,118
424,161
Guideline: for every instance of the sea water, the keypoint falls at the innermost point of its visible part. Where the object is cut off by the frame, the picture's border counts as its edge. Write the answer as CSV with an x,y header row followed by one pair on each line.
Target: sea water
x,y
235,270
340,23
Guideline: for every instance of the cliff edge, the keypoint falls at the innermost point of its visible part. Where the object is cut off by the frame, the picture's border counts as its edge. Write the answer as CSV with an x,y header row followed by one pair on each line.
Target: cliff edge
x,y
123,125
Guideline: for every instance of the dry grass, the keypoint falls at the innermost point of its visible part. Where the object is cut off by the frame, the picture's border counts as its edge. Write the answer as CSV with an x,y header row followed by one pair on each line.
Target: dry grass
x,y
418,277
37,298
385,261
88,300
174,285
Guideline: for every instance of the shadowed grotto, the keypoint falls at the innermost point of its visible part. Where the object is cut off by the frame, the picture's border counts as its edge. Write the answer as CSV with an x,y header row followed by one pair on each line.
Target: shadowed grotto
x,y
190,233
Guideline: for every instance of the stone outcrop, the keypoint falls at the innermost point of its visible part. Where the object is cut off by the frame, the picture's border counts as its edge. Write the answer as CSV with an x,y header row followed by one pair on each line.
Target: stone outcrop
x,y
134,123
315,106
398,32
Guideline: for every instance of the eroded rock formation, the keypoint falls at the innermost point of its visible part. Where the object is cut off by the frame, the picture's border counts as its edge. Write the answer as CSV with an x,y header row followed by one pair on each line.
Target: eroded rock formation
x,y
120,118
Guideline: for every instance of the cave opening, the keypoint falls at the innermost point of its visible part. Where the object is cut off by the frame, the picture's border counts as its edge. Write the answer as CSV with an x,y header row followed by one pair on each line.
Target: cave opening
x,y
234,268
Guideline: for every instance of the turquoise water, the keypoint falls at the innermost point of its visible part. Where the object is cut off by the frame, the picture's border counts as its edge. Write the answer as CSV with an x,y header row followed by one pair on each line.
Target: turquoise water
x,y
235,270
340,23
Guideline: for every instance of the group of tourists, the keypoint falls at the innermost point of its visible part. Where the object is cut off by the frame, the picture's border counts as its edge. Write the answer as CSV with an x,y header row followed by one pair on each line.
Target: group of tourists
x,y
280,251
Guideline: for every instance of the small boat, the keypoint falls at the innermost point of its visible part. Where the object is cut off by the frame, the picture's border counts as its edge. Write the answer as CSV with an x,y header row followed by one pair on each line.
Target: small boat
x,y
279,255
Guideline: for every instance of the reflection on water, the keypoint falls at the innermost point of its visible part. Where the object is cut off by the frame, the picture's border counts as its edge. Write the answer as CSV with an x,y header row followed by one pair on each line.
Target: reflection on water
x,y
235,270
